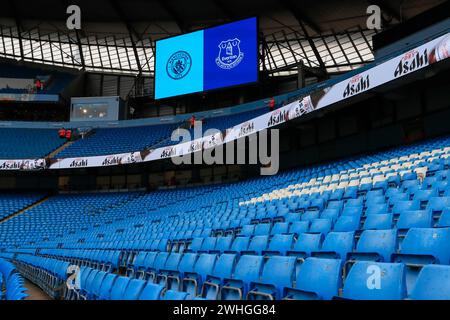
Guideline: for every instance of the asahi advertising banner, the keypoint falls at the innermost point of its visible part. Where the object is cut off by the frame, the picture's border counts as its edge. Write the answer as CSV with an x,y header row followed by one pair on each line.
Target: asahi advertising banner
x,y
404,64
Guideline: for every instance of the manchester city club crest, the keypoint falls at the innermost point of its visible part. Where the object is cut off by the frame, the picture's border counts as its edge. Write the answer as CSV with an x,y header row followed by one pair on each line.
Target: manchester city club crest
x,y
230,54
179,65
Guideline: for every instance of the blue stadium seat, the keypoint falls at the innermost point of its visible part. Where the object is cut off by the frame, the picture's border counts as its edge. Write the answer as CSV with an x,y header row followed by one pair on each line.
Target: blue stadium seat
x,y
279,228
119,287
306,244
280,244
368,280
223,244
347,223
336,245
375,245
432,283
175,295
134,289
278,273
378,222
317,279
248,269
151,291
299,227
414,219
186,265
262,229
240,244
223,269
258,244
193,280
322,226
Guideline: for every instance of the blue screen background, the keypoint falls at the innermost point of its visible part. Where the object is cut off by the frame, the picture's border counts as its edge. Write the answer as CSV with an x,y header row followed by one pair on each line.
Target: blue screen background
x,y
165,86
247,70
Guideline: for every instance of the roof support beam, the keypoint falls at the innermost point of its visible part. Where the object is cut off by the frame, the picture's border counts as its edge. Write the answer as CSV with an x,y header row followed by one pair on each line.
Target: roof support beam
x,y
19,26
66,4
131,31
175,16
301,21
290,6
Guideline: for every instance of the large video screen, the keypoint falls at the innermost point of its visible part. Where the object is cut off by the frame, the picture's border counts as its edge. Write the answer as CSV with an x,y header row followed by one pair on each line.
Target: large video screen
x,y
213,58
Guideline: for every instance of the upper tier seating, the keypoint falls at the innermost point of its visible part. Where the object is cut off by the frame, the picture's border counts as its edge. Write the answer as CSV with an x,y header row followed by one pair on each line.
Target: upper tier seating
x,y
118,140
28,143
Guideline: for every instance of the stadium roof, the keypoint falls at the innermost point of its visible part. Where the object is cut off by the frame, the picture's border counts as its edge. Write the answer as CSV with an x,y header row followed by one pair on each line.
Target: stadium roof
x,y
118,36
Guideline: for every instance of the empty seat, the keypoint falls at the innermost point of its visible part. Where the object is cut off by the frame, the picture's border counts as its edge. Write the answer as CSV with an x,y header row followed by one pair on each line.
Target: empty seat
x,y
193,280
424,246
151,291
279,228
258,244
432,283
186,265
175,295
306,243
240,244
196,244
414,219
401,206
321,226
299,227
223,244
347,223
262,229
310,215
375,245
223,269
378,222
317,279
134,289
375,281
208,244
247,230
119,287
444,220
106,286
376,209
280,244
277,274
247,269
337,245
330,213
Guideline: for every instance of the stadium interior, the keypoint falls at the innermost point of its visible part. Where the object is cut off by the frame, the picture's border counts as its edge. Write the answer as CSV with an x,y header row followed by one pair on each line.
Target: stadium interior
x,y
93,207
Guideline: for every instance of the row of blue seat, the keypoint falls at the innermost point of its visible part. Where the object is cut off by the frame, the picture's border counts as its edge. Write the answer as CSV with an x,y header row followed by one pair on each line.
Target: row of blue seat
x,y
231,277
11,282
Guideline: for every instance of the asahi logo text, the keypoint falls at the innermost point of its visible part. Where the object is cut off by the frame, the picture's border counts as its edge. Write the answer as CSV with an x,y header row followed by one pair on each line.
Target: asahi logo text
x,y
258,149
246,128
110,161
277,117
168,152
411,61
356,85
78,163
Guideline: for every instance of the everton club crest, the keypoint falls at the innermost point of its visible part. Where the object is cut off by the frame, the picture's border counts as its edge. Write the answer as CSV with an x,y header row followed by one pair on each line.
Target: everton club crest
x,y
230,54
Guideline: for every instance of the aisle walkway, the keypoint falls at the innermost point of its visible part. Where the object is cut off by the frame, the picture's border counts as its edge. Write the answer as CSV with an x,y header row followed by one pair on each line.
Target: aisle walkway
x,y
34,292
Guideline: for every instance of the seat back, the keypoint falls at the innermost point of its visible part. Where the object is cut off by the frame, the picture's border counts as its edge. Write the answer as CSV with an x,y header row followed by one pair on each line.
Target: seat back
x,y
369,280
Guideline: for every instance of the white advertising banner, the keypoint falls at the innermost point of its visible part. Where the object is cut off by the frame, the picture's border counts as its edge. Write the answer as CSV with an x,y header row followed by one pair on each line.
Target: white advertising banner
x,y
404,64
